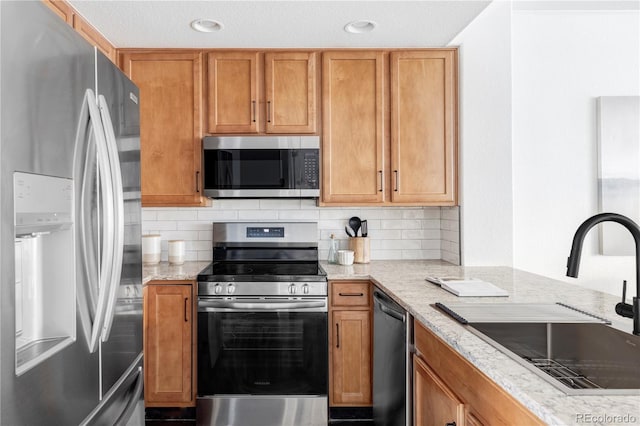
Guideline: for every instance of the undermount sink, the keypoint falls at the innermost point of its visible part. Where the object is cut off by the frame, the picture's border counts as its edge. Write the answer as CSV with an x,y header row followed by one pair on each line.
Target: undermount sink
x,y
574,350
578,358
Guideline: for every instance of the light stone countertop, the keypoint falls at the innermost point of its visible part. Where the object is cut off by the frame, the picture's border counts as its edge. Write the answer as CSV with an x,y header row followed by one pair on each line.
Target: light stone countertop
x,y
165,272
404,281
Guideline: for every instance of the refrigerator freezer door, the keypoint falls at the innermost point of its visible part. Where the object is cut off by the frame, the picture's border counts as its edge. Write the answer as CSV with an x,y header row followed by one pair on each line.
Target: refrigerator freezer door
x,y
43,82
122,341
123,404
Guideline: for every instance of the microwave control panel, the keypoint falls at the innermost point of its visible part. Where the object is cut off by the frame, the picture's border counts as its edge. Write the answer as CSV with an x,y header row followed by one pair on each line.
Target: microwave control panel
x,y
310,168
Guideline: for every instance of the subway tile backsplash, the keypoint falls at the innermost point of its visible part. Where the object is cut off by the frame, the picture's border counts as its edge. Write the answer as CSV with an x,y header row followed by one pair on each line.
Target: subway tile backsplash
x,y
395,232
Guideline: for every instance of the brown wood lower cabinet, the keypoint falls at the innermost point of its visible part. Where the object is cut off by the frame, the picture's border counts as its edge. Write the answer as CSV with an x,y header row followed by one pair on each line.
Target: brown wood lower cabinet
x,y
350,341
448,389
438,404
169,344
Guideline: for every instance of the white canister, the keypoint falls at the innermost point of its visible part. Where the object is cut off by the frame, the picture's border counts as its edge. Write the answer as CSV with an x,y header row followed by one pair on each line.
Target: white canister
x,y
345,257
151,249
176,252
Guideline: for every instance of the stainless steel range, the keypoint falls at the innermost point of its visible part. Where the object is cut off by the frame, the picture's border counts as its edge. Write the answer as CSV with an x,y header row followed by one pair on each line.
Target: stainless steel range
x,y
262,327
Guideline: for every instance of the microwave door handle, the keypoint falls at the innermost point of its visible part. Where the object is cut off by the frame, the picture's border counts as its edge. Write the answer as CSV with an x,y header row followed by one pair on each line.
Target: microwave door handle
x,y
296,161
118,217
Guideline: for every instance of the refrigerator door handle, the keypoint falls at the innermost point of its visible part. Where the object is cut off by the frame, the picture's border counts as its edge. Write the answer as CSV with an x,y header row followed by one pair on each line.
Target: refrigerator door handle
x,y
115,269
123,419
107,207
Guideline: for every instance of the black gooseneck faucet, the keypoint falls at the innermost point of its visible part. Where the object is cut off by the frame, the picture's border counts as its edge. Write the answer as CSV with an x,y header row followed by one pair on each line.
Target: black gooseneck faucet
x,y
573,263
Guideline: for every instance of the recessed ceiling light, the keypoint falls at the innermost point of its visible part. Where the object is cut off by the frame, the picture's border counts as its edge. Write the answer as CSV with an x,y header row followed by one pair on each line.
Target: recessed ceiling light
x,y
206,25
360,26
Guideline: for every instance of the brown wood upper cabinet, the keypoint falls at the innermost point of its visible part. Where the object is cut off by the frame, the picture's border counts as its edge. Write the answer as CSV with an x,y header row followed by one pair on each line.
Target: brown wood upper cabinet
x,y
254,92
352,131
423,126
170,84
290,92
233,92
389,127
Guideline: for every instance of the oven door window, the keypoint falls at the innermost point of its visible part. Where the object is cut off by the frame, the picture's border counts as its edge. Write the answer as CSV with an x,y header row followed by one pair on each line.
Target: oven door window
x,y
265,353
249,169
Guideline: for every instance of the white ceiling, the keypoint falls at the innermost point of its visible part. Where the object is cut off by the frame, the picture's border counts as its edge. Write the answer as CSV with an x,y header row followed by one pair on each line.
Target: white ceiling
x,y
271,24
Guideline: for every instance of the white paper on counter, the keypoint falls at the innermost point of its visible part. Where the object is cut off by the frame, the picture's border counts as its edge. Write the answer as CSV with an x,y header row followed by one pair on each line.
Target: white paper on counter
x,y
468,287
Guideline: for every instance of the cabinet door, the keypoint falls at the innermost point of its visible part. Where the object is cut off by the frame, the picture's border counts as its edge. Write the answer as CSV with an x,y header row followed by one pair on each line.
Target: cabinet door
x,y
234,106
351,358
423,127
352,117
168,347
434,403
290,79
170,86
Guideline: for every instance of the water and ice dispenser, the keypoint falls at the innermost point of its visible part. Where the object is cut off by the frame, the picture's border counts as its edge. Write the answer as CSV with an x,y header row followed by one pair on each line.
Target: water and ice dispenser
x,y
45,271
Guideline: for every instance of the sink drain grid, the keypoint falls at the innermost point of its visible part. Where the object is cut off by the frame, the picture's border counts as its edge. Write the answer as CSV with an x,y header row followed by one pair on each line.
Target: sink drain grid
x,y
563,373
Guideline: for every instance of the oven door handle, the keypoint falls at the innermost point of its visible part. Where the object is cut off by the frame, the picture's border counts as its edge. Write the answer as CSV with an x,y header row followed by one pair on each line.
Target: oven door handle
x,y
213,305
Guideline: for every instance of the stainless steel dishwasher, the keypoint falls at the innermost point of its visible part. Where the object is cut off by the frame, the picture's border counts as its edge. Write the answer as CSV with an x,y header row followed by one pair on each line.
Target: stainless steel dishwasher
x,y
391,362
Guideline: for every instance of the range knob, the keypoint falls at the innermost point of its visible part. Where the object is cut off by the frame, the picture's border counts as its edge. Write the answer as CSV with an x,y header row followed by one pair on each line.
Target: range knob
x,y
217,289
292,289
231,288
305,288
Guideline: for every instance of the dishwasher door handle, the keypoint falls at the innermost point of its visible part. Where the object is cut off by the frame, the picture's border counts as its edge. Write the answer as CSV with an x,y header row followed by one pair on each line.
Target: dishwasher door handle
x,y
386,309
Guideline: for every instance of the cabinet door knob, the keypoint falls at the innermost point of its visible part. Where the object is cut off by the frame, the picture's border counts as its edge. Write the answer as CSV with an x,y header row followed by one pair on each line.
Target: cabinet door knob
x,y
198,181
186,309
381,180
268,111
337,335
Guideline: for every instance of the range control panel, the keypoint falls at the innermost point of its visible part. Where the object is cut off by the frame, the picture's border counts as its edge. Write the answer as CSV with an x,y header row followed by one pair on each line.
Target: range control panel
x,y
265,232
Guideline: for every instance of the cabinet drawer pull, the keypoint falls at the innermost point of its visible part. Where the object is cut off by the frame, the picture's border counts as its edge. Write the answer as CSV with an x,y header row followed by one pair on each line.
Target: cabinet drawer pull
x,y
397,181
381,180
268,111
253,111
186,309
351,294
450,424
337,335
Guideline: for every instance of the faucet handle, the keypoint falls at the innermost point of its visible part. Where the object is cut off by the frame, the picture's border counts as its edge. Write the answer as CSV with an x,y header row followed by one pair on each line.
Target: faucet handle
x,y
624,309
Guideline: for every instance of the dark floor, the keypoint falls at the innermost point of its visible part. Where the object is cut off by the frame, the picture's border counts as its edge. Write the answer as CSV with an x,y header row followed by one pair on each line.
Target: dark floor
x,y
186,417
175,422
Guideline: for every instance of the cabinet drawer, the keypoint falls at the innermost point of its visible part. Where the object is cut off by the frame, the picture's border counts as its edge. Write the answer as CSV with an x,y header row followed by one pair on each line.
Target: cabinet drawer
x,y
351,293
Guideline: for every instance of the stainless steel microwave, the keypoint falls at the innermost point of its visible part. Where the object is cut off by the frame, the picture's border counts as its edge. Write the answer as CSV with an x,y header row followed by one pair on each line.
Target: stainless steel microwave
x,y
261,166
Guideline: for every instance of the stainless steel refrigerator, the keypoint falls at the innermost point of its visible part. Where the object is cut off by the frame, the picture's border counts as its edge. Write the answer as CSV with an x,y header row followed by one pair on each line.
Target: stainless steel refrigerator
x,y
70,256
